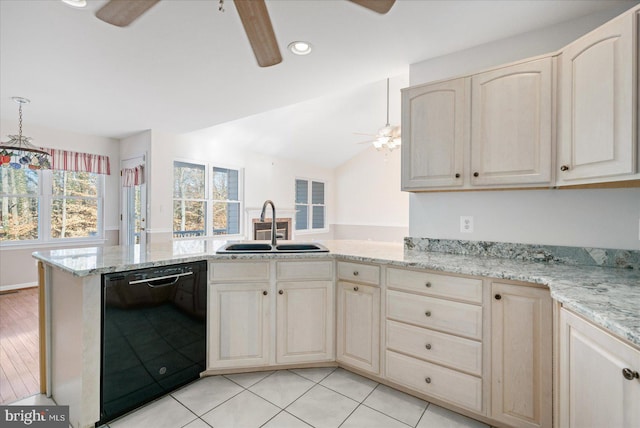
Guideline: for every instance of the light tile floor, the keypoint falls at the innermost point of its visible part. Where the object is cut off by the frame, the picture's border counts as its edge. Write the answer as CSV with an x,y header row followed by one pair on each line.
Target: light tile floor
x,y
301,398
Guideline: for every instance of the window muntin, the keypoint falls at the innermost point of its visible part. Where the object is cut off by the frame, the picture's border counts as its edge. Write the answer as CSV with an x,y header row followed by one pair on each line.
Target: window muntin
x,y
226,201
310,205
49,205
189,200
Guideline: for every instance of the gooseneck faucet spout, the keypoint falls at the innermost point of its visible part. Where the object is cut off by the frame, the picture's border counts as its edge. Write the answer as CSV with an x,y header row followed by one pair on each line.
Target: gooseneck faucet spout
x,y
273,220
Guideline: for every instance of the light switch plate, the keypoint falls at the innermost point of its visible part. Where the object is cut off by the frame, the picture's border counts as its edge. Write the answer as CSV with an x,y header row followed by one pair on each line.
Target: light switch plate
x,y
466,224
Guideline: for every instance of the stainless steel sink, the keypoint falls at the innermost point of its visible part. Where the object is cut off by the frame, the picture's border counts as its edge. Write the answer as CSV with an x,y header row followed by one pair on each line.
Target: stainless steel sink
x,y
262,248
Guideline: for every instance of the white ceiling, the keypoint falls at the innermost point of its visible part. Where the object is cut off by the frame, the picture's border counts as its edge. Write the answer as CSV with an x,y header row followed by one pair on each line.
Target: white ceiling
x,y
185,66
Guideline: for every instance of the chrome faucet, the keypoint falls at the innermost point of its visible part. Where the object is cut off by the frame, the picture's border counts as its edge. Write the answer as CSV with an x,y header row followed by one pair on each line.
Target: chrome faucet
x,y
274,238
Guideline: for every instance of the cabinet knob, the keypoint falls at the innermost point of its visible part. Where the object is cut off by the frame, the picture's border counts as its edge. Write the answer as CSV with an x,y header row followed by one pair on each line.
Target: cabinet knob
x,y
428,346
428,380
281,292
428,313
476,174
355,288
630,374
498,297
564,168
264,293
457,175
428,285
356,273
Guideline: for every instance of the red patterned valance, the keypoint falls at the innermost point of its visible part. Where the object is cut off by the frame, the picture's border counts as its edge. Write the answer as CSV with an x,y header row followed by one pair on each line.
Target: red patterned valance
x,y
132,176
79,162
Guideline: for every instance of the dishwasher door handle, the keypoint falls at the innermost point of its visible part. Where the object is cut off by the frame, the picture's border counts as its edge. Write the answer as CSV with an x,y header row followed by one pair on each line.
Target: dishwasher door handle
x,y
175,278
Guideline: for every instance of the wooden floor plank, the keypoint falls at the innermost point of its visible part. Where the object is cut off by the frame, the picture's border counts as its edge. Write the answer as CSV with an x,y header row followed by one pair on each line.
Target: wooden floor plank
x,y
19,352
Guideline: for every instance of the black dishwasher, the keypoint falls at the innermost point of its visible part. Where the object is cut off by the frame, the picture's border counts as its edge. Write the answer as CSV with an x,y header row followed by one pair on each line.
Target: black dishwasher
x,y
153,334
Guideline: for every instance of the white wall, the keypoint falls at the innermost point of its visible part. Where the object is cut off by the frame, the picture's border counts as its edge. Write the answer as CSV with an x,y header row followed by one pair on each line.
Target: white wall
x,y
598,218
17,267
369,202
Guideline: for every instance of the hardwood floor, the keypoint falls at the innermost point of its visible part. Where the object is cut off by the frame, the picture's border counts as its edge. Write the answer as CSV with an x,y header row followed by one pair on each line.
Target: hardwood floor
x,y
19,364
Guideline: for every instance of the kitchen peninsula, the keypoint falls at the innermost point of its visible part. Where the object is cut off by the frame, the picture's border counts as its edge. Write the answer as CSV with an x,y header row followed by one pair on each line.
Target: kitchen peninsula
x,y
474,285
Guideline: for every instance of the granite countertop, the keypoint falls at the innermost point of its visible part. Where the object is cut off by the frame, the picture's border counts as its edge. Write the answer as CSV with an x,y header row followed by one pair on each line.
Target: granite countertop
x,y
607,296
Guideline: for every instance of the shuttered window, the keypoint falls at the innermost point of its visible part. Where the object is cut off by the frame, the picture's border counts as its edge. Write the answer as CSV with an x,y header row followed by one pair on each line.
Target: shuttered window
x,y
310,205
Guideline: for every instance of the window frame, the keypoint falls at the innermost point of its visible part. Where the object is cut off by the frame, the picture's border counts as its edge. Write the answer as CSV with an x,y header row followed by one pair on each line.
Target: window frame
x,y
45,198
209,200
310,206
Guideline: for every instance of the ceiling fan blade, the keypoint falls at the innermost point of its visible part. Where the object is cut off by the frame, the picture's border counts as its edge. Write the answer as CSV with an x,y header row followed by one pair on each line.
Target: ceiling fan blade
x,y
123,12
257,24
380,6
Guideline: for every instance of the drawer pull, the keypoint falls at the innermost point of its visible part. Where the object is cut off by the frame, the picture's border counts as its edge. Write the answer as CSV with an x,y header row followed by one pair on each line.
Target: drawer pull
x,y
498,297
428,313
564,168
264,293
630,374
355,288
428,285
281,292
428,346
428,380
356,273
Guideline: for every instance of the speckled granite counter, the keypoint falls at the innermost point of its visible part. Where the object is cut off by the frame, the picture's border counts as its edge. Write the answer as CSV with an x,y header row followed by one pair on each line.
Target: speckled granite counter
x,y
609,297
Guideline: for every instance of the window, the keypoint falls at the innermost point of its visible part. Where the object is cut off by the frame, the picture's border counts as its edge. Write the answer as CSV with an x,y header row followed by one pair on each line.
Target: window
x,y
310,205
49,205
206,200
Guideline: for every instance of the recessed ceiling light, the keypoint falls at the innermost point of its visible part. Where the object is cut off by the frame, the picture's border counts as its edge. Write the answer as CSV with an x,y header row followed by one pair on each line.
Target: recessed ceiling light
x,y
300,48
75,3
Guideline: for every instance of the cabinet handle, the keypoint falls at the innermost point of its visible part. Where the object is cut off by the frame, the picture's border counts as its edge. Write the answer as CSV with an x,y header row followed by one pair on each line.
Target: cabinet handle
x,y
428,346
564,168
476,174
428,285
630,374
428,380
457,175
356,273
498,297
355,288
264,293
428,313
281,292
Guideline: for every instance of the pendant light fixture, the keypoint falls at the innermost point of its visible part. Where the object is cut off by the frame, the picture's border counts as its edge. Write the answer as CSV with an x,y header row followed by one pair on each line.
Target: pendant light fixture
x,y
388,136
18,152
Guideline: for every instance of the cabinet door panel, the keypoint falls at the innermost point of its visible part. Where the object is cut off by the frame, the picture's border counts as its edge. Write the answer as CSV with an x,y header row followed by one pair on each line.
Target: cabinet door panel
x,y
358,326
239,325
511,118
434,126
597,105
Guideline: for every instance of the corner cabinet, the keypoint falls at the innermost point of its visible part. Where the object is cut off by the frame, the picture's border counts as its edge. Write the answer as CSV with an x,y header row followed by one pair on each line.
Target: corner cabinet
x,y
598,104
521,355
358,316
599,380
434,126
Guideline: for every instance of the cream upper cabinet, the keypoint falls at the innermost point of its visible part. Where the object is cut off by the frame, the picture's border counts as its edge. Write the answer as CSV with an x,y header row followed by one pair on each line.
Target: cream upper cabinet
x,y
598,111
434,124
304,321
521,355
511,124
599,384
358,326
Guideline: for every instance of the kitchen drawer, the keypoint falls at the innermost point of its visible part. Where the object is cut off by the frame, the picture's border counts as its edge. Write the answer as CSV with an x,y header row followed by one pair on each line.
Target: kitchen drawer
x,y
305,270
439,314
431,379
239,271
433,284
453,351
368,274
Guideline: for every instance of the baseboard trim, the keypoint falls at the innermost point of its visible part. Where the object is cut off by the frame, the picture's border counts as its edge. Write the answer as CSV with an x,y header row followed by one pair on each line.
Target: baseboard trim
x,y
18,286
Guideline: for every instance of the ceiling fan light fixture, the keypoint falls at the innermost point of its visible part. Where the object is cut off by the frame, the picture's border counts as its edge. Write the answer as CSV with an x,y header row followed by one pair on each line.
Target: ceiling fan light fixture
x,y
75,3
300,47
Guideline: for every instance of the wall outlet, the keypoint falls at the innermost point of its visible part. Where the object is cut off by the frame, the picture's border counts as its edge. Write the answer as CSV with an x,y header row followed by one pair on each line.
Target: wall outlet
x,y
466,224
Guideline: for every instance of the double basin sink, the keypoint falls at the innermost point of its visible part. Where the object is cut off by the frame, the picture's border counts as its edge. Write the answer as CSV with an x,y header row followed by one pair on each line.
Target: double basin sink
x,y
261,248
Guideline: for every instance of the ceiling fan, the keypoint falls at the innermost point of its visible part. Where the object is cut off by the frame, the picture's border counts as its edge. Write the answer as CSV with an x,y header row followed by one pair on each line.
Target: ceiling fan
x,y
253,14
388,137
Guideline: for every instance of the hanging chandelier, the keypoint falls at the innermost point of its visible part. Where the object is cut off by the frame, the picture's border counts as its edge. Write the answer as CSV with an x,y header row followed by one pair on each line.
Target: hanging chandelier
x,y
388,136
18,152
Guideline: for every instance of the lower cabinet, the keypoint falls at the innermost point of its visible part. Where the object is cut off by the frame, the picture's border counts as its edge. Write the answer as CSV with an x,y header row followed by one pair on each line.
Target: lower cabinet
x,y
521,355
358,326
599,377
